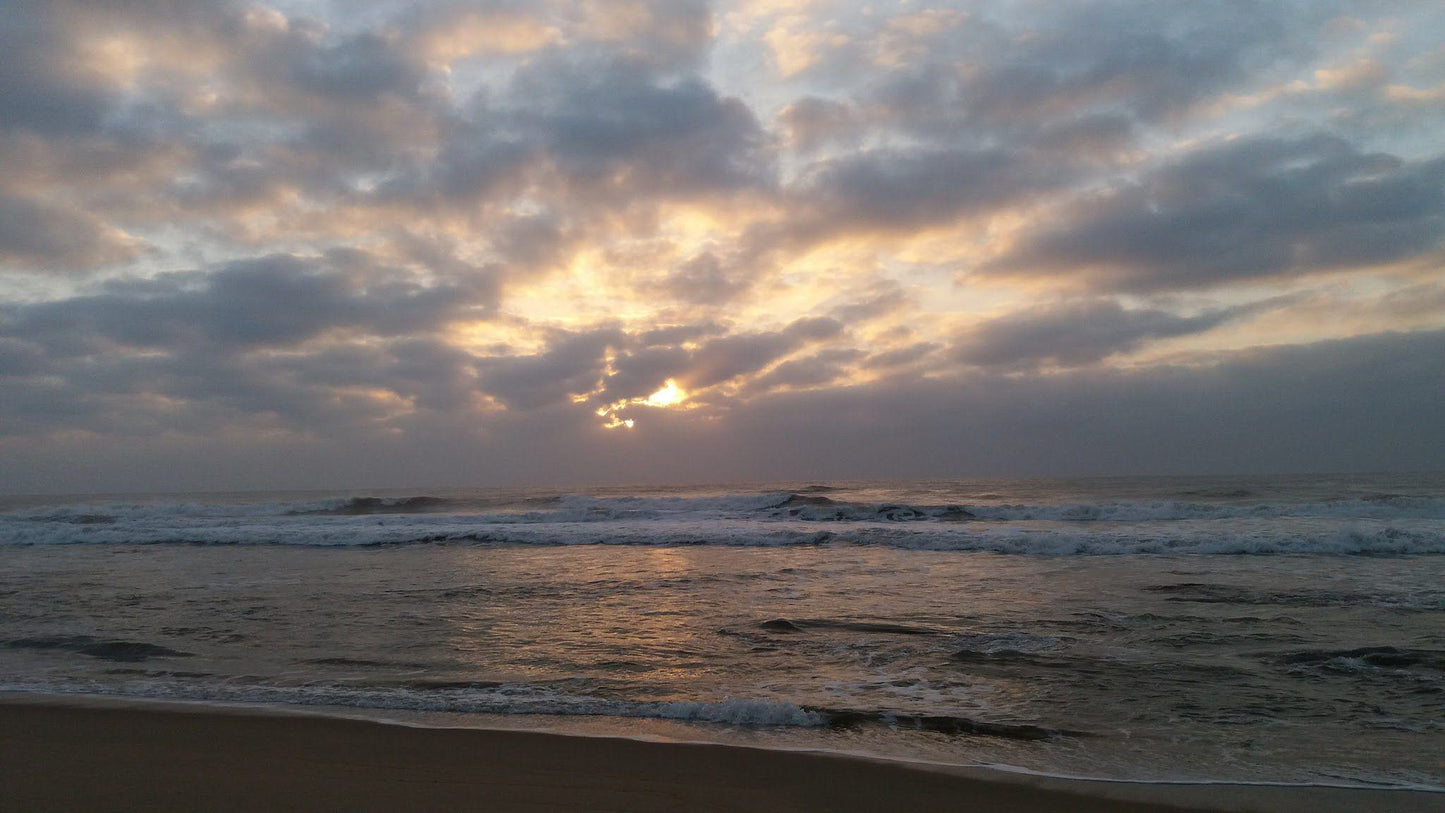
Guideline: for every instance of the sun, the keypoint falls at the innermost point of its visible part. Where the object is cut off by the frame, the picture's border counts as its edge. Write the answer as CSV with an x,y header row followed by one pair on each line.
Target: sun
x,y
669,395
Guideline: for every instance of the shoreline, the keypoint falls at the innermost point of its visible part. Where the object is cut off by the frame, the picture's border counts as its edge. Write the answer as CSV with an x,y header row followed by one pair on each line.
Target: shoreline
x,y
94,752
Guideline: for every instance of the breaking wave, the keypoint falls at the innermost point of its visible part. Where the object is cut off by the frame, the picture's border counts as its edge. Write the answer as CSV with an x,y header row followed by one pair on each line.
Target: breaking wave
x,y
816,515
1373,539
528,699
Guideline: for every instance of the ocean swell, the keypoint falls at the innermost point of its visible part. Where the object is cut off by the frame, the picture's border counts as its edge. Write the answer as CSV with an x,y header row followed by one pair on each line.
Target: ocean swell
x,y
1376,525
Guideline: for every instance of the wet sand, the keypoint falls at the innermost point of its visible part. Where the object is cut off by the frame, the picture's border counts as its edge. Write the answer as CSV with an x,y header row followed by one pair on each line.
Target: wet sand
x,y
92,754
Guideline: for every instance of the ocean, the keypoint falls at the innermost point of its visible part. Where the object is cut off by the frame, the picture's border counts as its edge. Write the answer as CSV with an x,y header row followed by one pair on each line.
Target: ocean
x,y
1231,629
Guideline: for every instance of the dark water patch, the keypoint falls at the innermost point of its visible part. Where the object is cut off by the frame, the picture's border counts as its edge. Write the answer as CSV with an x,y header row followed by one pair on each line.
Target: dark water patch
x,y
1203,593
625,665
1010,658
110,650
365,663
1014,663
1091,622
219,636
1169,620
473,591
881,627
1201,638
950,725
158,673
1377,657
424,684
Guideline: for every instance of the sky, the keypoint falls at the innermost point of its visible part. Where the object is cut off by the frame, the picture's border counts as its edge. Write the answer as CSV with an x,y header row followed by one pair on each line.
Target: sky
x,y
327,245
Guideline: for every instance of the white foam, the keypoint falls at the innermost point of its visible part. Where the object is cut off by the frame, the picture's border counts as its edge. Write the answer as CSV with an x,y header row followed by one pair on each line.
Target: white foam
x,y
506,699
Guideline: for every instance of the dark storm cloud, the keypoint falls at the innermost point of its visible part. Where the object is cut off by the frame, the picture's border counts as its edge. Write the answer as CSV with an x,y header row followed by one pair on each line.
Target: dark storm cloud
x,y
1249,208
1071,334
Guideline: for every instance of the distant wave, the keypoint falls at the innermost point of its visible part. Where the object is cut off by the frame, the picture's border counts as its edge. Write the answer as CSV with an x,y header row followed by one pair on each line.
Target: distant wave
x,y
812,508
361,506
806,505
1383,524
1355,539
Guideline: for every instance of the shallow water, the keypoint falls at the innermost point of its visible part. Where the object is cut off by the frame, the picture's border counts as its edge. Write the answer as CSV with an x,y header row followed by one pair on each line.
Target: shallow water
x,y
1111,637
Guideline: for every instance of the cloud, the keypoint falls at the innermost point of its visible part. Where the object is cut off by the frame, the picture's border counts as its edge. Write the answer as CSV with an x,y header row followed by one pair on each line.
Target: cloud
x,y
1242,209
729,357
1072,334
977,75
572,364
812,123
816,370
1365,403
274,301
703,280
41,238
609,121
905,355
920,187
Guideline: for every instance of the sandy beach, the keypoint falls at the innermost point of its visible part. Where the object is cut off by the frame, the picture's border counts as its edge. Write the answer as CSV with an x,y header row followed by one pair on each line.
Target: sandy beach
x,y
91,754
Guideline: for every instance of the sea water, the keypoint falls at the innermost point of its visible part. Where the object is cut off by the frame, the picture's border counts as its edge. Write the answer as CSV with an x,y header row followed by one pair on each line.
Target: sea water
x,y
1275,629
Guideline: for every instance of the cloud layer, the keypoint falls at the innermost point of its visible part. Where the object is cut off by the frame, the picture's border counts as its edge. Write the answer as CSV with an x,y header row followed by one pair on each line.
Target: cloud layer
x,y
634,240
